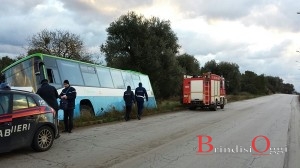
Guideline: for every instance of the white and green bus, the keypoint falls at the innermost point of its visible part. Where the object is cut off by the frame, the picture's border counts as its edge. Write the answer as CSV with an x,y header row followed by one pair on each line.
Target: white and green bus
x,y
99,88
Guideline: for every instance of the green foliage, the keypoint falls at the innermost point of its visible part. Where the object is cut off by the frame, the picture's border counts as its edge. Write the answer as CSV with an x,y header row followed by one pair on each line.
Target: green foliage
x,y
274,84
230,71
189,64
210,66
148,46
252,83
248,82
288,88
6,61
60,43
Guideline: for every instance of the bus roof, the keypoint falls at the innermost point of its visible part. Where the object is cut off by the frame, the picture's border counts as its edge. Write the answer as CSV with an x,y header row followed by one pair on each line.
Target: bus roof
x,y
42,55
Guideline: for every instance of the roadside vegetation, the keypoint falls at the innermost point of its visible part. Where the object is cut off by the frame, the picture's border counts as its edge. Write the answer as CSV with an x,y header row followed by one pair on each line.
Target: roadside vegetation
x,y
163,106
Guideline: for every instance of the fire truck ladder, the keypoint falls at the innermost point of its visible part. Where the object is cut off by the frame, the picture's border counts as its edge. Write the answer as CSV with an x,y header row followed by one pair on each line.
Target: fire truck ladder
x,y
206,92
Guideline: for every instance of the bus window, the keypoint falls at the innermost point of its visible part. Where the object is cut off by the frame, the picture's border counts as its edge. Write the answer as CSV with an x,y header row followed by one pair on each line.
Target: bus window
x,y
22,75
127,79
117,79
105,77
53,76
89,75
136,80
70,71
50,76
145,81
56,77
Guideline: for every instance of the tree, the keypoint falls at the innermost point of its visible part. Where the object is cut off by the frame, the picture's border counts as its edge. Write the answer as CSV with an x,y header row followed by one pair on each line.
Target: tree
x,y
232,75
210,66
60,43
189,64
145,45
247,82
274,84
288,88
230,71
6,61
253,83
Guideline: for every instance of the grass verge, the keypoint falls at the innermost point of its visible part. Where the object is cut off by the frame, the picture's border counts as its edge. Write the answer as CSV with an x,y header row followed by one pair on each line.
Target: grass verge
x,y
163,106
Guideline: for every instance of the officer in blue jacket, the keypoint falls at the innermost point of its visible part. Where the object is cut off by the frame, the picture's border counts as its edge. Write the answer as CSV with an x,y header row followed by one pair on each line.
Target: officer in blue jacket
x,y
140,95
129,100
70,94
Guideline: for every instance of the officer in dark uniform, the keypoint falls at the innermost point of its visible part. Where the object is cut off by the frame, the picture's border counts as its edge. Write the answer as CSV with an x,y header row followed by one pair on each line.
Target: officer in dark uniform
x,y
50,95
129,100
68,93
4,86
140,95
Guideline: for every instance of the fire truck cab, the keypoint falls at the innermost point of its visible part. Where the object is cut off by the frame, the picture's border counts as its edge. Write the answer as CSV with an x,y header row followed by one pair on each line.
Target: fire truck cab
x,y
206,91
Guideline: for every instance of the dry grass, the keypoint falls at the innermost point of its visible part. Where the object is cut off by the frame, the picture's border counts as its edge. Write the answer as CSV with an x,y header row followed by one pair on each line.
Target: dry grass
x,y
163,106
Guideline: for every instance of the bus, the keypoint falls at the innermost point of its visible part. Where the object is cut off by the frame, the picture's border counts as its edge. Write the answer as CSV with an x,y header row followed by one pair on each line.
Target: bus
x,y
99,88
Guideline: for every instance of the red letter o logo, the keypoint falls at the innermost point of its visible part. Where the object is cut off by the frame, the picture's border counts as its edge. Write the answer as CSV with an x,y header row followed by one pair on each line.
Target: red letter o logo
x,y
254,144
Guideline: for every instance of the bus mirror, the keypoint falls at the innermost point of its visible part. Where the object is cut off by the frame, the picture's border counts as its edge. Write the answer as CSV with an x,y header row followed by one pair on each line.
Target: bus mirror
x,y
37,65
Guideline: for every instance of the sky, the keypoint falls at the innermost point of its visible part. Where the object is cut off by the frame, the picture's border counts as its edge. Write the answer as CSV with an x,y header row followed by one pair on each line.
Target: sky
x,y
262,36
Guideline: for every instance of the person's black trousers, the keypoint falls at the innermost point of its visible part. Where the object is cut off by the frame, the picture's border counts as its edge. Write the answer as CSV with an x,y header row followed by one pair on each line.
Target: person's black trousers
x,y
68,119
127,113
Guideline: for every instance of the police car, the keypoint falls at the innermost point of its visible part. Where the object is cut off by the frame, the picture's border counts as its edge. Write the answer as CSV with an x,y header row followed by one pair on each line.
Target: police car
x,y
25,120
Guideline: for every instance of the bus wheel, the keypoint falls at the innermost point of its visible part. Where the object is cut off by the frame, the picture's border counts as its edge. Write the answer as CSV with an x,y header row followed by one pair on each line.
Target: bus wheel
x,y
86,111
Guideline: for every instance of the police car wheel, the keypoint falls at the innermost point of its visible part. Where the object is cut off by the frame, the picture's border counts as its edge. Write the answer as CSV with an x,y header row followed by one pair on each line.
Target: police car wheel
x,y
43,139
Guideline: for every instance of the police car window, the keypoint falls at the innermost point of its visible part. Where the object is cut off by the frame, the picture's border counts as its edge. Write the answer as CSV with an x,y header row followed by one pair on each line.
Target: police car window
x,y
4,103
19,102
31,102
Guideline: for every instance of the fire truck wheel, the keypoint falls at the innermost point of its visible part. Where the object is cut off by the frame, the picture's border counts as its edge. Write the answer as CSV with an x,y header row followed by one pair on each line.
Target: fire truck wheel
x,y
213,107
222,106
192,107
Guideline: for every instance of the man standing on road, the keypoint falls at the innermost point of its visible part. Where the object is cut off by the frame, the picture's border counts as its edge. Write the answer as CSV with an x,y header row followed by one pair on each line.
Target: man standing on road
x,y
140,95
68,93
129,100
50,95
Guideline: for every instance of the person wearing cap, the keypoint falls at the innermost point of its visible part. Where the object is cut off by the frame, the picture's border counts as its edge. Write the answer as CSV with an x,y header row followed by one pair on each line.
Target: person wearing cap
x,y
50,95
5,86
68,93
129,100
140,95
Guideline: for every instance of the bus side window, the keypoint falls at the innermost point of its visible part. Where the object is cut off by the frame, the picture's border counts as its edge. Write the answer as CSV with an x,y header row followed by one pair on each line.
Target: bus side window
x,y
53,75
50,76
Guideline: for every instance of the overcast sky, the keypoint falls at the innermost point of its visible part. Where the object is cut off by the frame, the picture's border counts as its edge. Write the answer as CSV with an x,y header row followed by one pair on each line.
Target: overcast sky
x,y
259,35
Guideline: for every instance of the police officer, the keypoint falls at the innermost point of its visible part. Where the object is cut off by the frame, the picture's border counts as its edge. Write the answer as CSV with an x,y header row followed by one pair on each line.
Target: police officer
x,y
4,86
68,93
129,100
140,95
50,95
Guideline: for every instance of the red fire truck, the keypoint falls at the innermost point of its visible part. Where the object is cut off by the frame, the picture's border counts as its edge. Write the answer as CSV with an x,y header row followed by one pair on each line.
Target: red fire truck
x,y
206,91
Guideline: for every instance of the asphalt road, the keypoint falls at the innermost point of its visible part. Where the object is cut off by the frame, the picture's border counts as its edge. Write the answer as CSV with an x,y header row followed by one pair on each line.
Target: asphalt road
x,y
261,132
